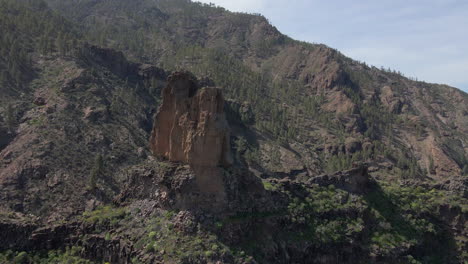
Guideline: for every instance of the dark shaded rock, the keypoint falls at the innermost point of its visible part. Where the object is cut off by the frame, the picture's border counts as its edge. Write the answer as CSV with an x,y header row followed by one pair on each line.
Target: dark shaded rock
x,y
356,180
239,113
333,149
185,222
15,235
354,124
352,145
40,101
148,72
5,137
112,251
116,62
94,114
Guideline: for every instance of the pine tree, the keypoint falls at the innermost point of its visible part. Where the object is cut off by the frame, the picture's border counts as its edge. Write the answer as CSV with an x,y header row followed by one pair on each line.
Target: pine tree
x,y
431,165
61,44
96,171
3,79
10,118
241,147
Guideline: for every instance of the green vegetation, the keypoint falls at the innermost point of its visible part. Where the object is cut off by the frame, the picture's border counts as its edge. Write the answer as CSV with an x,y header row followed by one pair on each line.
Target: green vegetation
x,y
280,105
105,215
409,166
40,121
162,238
269,186
409,217
10,118
96,171
246,150
69,256
422,200
431,165
29,26
388,220
282,109
318,216
241,146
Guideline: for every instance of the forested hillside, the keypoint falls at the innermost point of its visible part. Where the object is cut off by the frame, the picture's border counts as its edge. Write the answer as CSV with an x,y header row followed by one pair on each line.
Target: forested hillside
x,y
301,94
334,161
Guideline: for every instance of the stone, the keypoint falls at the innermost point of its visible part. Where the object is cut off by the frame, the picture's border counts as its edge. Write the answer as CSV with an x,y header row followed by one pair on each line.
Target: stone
x,y
356,180
191,127
390,100
353,145
94,114
40,101
141,153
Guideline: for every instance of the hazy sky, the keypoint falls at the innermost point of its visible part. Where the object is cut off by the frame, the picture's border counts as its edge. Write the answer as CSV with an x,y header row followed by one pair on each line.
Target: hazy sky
x,y
426,39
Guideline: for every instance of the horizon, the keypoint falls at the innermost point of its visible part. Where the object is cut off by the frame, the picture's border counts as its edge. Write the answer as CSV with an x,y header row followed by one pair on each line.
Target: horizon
x,y
423,40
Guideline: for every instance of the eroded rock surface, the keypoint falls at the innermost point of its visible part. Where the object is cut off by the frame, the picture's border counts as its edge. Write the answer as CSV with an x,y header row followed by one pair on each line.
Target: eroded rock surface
x,y
356,180
191,127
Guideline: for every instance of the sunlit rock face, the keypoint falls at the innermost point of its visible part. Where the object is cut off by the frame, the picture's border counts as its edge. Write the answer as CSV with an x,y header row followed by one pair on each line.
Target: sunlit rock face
x,y
190,127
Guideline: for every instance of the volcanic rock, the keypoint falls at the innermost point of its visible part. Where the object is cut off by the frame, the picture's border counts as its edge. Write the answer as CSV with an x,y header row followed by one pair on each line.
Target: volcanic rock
x,y
190,127
355,180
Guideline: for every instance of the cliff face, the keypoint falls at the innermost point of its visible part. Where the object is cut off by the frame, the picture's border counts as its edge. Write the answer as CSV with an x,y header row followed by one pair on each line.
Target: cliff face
x,y
190,127
329,96
77,139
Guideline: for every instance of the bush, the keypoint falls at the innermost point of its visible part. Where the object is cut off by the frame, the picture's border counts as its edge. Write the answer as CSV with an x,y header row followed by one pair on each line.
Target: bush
x,y
105,215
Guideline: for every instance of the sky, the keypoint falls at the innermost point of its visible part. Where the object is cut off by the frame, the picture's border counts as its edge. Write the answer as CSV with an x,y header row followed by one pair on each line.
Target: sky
x,y
423,39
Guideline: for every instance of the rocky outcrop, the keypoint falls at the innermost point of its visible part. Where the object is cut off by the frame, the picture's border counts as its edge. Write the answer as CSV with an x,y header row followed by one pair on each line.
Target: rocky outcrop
x,y
191,127
390,100
25,236
356,180
117,63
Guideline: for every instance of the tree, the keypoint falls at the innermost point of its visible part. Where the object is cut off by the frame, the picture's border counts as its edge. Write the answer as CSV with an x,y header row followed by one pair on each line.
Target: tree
x,y
431,166
241,145
3,79
61,44
10,118
96,171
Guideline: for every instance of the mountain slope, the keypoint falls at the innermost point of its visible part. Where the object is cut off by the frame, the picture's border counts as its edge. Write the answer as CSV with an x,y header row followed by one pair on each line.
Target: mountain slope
x,y
312,87
78,182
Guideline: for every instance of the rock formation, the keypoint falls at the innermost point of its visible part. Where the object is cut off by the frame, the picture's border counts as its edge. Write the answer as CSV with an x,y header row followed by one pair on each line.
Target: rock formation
x,y
355,180
191,127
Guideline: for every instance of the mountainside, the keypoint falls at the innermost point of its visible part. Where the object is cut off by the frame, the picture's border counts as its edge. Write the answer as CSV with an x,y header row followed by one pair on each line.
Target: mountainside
x,y
303,94
332,161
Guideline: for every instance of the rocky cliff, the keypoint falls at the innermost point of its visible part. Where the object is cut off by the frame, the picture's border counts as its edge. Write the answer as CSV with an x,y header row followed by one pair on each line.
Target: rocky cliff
x,y
77,179
190,127
306,96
